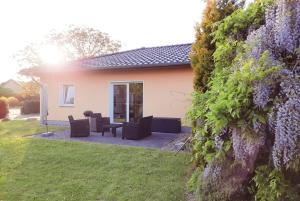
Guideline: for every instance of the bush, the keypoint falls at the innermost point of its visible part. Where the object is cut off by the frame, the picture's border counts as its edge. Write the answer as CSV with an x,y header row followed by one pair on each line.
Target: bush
x,y
272,185
30,107
13,102
252,104
3,107
204,46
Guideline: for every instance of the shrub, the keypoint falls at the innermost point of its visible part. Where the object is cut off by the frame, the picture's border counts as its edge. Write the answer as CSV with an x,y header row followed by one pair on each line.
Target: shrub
x,y
204,46
253,90
222,180
234,29
3,107
30,107
13,102
272,186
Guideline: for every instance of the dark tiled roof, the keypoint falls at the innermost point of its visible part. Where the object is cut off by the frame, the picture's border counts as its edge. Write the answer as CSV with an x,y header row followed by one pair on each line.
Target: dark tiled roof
x,y
162,56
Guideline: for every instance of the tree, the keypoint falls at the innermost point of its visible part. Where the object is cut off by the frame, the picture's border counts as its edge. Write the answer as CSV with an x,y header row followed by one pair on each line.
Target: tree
x,y
29,56
82,42
74,42
30,91
204,47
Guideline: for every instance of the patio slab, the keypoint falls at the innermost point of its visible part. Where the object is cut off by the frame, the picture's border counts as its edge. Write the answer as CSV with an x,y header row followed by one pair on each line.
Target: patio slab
x,y
156,140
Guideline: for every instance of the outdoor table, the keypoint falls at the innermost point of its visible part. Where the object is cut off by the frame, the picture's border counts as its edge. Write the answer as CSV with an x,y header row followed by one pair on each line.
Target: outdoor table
x,y
113,128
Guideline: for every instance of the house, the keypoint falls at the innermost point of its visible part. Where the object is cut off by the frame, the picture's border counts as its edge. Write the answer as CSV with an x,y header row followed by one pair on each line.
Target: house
x,y
12,85
125,86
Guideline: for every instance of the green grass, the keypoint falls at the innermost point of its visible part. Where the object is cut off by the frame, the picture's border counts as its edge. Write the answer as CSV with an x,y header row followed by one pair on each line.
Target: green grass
x,y
20,128
37,169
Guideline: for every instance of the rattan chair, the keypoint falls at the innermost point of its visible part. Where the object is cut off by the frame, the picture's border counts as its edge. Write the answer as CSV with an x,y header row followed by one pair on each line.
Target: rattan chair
x,y
79,127
100,122
136,131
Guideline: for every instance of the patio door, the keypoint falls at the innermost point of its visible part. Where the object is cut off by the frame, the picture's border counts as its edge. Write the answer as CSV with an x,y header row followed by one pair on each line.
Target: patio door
x,y
120,103
126,102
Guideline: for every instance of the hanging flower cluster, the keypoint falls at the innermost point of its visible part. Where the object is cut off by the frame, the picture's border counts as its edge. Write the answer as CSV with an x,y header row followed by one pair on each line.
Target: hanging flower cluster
x,y
280,36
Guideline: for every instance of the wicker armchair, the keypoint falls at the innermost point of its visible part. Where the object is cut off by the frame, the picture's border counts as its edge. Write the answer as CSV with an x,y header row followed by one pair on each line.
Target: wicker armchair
x,y
100,121
136,131
79,127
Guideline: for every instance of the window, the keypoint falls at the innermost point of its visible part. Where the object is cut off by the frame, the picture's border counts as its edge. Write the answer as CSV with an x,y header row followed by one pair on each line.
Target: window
x,y
68,95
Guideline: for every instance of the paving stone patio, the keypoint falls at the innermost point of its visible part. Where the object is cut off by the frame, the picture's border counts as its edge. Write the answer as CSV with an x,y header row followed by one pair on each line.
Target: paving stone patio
x,y
156,140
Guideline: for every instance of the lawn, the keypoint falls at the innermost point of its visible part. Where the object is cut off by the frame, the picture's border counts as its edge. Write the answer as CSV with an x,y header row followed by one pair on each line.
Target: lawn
x,y
37,169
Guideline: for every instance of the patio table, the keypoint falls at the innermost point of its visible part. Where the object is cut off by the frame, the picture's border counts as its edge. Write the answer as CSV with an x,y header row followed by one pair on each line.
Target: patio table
x,y
113,128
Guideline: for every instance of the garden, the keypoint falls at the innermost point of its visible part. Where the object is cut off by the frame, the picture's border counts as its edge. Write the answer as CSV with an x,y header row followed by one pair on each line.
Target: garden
x,y
26,102
246,104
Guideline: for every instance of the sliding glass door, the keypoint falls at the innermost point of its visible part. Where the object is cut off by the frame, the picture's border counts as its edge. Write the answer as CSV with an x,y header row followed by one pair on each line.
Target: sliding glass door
x,y
135,101
120,103
127,101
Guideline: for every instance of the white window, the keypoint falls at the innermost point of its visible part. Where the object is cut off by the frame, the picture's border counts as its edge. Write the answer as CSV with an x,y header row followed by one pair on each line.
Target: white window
x,y
67,95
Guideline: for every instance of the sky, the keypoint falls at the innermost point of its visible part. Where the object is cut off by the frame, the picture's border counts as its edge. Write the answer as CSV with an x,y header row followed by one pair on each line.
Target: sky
x,y
136,23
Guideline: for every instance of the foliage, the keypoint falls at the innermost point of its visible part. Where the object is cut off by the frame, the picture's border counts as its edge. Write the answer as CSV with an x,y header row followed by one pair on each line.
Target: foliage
x,y
271,185
222,181
193,181
234,29
30,107
6,92
75,42
231,98
203,48
31,90
230,90
280,36
237,25
13,102
29,56
83,42
204,148
228,101
3,107
287,135
251,105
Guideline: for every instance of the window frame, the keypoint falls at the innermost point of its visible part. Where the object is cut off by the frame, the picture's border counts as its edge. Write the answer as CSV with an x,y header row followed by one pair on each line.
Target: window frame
x,y
62,95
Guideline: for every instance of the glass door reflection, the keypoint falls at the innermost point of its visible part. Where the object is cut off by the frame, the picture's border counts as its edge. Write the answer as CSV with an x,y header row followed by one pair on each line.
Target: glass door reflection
x,y
135,101
119,105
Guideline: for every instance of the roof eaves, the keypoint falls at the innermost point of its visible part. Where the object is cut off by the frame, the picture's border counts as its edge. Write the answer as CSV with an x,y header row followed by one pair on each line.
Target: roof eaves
x,y
161,65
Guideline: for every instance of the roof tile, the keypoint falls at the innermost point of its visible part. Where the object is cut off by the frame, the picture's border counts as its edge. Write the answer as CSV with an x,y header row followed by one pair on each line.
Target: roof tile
x,y
141,58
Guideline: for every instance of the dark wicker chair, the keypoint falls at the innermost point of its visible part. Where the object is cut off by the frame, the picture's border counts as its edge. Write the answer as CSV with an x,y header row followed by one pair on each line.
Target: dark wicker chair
x,y
136,131
79,127
100,121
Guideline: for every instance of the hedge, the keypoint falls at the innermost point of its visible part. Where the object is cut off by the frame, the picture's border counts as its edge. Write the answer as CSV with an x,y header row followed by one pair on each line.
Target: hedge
x,y
13,102
30,107
3,107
